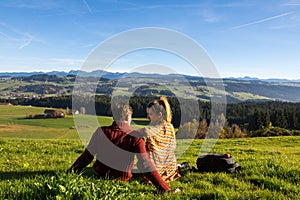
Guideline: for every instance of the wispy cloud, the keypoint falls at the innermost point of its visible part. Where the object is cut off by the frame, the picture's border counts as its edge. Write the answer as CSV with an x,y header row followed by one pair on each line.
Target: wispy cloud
x,y
195,5
261,21
4,35
234,4
88,45
291,3
41,5
150,7
16,38
30,63
65,61
210,17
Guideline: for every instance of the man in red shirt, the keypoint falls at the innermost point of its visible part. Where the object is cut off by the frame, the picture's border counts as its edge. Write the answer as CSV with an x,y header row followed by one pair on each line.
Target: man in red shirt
x,y
115,147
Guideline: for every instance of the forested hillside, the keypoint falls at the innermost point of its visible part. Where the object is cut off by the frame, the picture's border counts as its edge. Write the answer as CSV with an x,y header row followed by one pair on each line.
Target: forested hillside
x,y
254,107
236,90
247,117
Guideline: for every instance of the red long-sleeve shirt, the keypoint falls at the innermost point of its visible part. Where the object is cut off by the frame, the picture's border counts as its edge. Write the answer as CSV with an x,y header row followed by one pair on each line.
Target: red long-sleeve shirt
x,y
115,147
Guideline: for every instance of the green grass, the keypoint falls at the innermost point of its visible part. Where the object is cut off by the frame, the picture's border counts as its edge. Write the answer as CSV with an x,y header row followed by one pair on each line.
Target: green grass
x,y
35,169
245,96
13,124
36,153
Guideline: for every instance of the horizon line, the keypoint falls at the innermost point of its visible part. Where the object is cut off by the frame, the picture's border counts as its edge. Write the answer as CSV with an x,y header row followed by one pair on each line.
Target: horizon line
x,y
227,77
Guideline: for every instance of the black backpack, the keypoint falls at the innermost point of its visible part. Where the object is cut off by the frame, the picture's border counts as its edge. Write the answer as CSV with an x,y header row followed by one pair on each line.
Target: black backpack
x,y
217,163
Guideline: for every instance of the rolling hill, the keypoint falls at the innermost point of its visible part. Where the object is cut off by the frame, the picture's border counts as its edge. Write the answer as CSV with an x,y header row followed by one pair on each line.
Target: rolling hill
x,y
40,84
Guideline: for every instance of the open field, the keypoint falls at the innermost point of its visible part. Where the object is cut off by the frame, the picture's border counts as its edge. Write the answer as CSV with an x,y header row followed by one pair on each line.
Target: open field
x,y
13,124
35,169
35,153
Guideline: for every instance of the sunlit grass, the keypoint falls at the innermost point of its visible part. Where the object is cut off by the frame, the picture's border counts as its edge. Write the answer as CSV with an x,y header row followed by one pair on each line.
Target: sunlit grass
x,y
35,169
35,153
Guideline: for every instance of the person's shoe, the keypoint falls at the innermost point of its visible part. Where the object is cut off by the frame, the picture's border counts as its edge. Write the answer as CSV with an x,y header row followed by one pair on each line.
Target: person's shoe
x,y
175,191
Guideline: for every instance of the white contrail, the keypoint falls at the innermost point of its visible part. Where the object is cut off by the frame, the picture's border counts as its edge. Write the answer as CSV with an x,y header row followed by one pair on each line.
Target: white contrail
x,y
4,35
26,43
262,20
88,7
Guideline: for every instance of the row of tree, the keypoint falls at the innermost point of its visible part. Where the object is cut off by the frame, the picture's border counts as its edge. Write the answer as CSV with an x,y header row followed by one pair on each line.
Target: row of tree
x,y
248,116
222,129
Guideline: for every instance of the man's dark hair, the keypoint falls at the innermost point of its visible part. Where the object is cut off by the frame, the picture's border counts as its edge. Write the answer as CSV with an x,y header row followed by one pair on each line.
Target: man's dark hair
x,y
120,111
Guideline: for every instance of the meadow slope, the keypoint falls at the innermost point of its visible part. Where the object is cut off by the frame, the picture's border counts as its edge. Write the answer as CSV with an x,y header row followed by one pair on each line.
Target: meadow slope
x,y
35,169
35,153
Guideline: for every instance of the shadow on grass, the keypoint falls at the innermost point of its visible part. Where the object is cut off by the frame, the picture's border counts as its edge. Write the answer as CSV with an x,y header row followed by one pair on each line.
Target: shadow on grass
x,y
25,174
88,172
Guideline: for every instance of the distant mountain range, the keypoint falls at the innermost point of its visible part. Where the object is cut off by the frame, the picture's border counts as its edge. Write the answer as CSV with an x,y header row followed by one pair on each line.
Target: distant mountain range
x,y
117,75
237,89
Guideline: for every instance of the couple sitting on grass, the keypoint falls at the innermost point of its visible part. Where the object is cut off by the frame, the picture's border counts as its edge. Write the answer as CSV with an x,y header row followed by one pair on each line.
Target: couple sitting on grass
x,y
115,147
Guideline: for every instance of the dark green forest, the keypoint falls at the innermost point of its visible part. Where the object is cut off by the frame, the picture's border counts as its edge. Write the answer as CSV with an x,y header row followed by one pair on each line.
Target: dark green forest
x,y
245,119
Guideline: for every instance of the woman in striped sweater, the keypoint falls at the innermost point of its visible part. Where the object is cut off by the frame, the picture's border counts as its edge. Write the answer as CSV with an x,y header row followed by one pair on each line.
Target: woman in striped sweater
x,y
160,139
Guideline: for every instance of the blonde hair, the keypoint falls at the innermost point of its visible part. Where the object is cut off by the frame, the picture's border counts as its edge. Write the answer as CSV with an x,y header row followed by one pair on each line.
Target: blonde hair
x,y
162,106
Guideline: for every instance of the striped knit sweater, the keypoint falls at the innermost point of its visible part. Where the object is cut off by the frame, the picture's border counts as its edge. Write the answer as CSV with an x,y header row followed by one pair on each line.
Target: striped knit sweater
x,y
161,145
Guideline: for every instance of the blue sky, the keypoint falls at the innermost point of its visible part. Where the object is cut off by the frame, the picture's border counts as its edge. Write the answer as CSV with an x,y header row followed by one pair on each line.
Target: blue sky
x,y
257,38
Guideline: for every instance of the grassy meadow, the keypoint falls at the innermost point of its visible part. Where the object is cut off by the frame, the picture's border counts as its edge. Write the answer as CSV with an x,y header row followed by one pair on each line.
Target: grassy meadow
x,y
13,124
35,153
